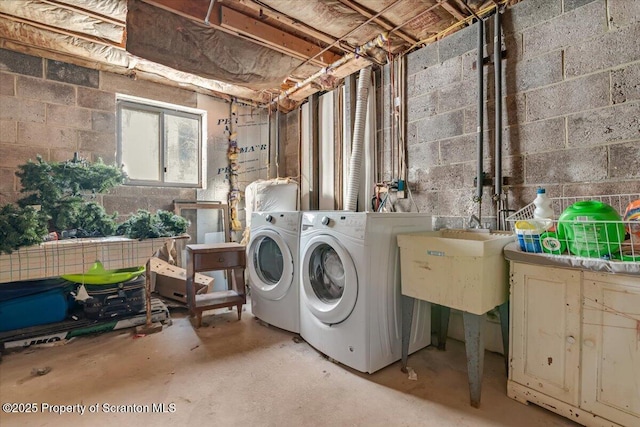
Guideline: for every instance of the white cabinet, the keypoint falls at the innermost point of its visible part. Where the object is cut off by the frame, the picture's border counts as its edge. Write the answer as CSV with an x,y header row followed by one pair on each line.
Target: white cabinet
x,y
575,343
611,347
545,333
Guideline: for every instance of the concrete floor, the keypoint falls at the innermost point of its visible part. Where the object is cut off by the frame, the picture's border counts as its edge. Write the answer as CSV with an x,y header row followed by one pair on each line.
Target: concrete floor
x,y
232,373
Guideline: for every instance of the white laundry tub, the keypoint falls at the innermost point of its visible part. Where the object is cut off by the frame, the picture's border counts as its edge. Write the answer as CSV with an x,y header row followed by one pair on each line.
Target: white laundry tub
x,y
461,269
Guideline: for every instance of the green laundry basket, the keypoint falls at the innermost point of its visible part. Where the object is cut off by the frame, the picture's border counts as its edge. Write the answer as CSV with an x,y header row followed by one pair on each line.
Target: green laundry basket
x,y
592,229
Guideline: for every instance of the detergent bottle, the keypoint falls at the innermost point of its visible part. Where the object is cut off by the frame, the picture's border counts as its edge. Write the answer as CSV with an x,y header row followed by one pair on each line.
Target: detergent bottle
x,y
543,213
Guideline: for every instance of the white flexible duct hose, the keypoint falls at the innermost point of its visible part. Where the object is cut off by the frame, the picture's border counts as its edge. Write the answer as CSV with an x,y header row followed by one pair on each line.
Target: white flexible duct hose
x,y
355,162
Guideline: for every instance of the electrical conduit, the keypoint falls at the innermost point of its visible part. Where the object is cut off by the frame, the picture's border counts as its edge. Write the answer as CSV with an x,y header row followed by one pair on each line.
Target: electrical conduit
x,y
357,145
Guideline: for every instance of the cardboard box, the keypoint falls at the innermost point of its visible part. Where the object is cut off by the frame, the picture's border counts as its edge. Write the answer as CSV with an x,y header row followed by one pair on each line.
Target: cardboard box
x,y
170,281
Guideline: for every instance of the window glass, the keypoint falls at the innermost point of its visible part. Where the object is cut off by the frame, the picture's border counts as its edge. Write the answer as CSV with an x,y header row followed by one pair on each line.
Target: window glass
x,y
140,153
182,135
160,146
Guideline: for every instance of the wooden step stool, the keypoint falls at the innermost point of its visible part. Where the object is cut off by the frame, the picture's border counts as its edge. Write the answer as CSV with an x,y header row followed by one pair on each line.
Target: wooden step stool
x,y
210,257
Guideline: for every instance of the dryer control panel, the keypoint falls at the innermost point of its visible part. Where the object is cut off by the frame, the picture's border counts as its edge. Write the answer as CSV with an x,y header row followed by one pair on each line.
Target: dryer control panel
x,y
348,223
284,220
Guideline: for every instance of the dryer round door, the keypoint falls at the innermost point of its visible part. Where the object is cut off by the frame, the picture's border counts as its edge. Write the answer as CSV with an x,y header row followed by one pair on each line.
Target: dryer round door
x,y
329,279
270,265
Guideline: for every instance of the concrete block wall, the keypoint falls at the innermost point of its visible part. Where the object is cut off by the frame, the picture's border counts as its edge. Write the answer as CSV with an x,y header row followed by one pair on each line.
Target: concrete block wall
x,y
54,109
571,109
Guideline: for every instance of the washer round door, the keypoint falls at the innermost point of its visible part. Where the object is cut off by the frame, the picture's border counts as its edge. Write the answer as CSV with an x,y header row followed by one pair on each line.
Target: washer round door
x,y
329,279
270,265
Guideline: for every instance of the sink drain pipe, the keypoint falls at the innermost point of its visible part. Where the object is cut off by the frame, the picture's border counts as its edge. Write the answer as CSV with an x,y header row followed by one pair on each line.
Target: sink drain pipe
x,y
357,146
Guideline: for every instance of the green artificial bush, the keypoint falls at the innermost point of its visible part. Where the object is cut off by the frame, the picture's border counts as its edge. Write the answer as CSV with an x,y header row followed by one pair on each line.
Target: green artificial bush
x,y
145,225
60,189
63,190
20,227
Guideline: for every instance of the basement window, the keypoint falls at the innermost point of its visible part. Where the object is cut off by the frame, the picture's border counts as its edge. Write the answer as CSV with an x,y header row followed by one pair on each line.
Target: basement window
x,y
160,144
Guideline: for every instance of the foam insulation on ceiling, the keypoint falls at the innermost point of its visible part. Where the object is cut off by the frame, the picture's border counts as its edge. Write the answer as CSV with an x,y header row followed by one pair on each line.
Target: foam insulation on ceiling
x,y
337,19
64,44
116,9
169,39
64,18
417,21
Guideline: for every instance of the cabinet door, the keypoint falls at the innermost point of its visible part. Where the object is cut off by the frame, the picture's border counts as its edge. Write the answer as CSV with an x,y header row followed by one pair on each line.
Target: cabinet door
x,y
545,330
611,347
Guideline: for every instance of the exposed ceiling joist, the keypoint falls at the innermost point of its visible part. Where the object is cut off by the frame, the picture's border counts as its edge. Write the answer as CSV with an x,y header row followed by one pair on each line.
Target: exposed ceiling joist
x,y
353,30
378,20
258,32
452,10
268,12
418,17
273,37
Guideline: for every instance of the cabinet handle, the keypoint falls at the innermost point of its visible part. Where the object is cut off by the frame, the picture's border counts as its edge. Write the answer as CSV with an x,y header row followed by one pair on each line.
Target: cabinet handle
x,y
589,343
220,259
571,340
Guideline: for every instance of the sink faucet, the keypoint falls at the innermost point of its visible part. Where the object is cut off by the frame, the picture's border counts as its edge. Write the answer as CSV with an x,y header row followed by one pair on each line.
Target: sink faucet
x,y
474,222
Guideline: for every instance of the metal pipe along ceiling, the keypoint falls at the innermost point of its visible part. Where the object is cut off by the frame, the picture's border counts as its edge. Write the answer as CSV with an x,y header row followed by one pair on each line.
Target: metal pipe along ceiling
x,y
378,41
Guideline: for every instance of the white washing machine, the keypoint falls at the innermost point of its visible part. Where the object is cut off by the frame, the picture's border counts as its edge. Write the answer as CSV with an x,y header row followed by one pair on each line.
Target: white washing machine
x,y
272,264
350,306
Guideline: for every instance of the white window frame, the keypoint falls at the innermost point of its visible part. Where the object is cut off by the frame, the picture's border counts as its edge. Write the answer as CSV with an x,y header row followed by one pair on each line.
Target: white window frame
x,y
163,108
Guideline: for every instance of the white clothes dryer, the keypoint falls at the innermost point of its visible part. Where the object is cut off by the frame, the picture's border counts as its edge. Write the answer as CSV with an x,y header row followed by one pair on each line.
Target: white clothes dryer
x,y
350,295
272,264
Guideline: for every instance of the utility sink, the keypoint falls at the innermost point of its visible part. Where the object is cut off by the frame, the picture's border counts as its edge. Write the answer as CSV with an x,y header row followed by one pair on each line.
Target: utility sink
x,y
461,269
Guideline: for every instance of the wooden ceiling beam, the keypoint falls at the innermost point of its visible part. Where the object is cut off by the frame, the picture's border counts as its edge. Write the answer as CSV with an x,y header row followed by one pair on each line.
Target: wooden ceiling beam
x,y
254,30
353,30
453,11
379,20
272,36
271,13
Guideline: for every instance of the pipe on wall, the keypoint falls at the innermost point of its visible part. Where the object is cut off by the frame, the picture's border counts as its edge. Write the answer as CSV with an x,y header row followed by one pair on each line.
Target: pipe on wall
x,y
402,74
362,96
497,63
480,136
